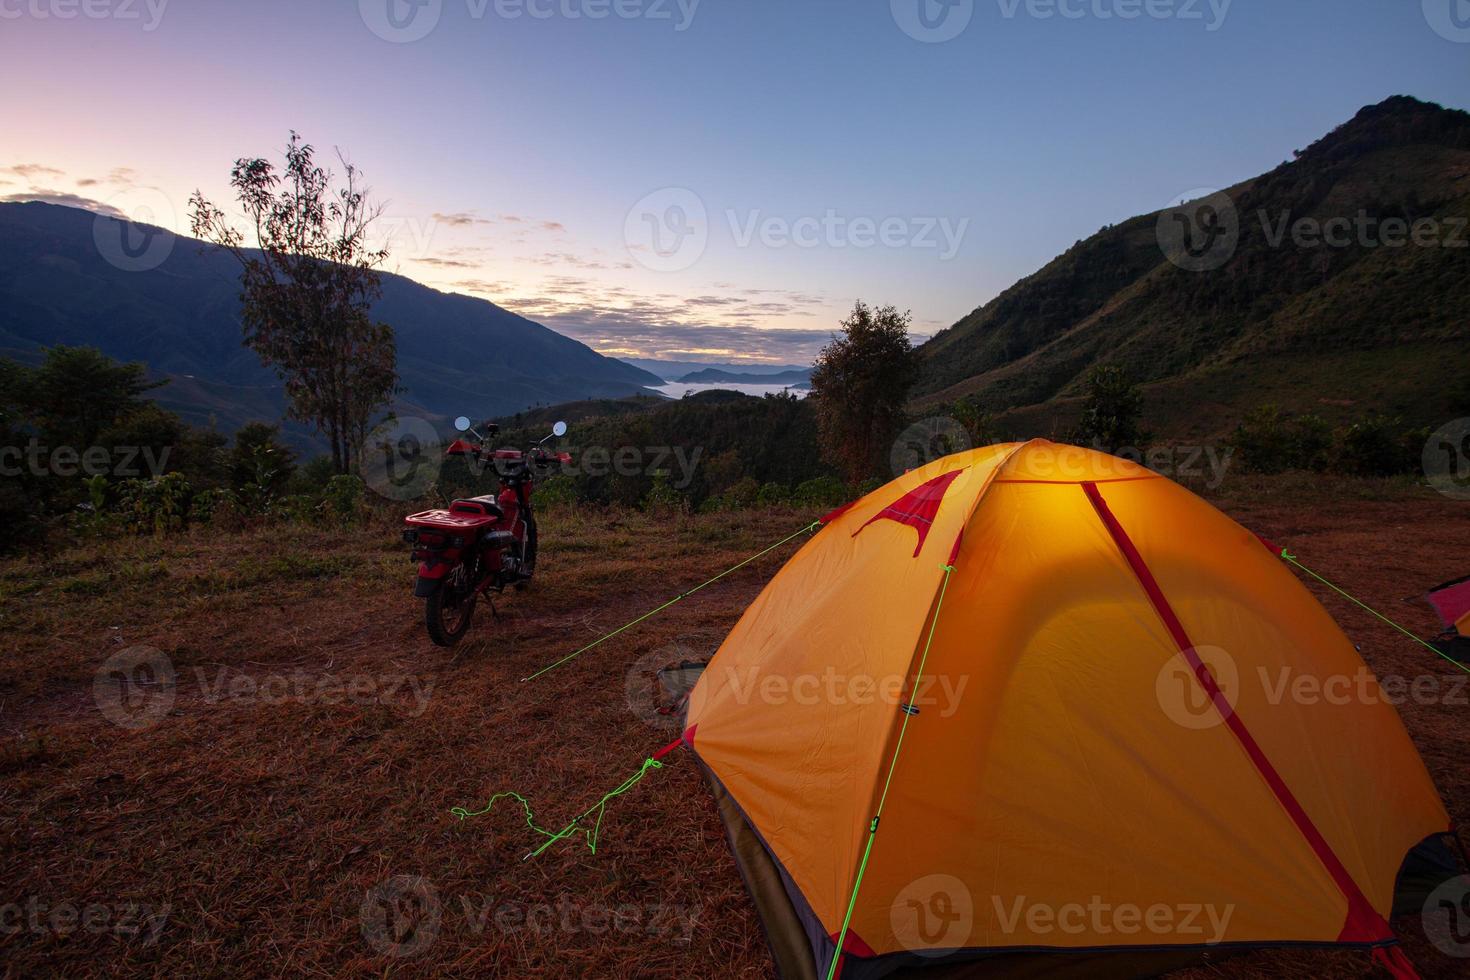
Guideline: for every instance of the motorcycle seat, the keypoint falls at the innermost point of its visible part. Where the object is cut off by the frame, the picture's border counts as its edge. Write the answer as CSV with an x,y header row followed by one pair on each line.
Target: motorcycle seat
x,y
486,505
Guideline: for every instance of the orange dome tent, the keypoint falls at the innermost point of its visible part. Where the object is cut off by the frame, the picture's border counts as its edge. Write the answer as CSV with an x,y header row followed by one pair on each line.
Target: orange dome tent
x,y
1034,699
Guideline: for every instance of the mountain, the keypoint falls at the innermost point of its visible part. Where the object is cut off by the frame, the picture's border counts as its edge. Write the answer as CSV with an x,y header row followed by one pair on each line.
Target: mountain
x,y
675,370
1370,321
798,378
456,354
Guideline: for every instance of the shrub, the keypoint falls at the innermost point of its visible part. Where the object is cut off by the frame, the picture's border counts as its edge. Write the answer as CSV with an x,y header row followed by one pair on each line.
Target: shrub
x,y
1372,447
557,490
158,505
1113,410
662,498
1312,443
209,504
820,491
313,476
1263,441
342,498
773,495
742,495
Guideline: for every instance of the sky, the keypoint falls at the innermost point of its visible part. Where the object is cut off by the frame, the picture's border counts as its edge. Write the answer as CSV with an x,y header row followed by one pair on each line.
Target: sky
x,y
710,180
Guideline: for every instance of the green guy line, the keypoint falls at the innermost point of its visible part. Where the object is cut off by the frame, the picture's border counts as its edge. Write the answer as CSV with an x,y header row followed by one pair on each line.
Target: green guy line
x,y
888,780
1288,556
571,829
573,656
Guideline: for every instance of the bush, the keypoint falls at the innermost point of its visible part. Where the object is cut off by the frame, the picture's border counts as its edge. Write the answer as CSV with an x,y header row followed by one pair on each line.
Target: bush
x,y
820,491
1263,441
158,505
209,504
342,498
1373,447
1312,443
773,495
556,491
1111,416
662,498
313,476
742,495
1266,441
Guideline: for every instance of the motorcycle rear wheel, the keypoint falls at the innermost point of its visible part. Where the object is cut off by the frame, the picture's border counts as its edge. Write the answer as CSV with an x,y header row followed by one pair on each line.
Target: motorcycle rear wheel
x,y
448,612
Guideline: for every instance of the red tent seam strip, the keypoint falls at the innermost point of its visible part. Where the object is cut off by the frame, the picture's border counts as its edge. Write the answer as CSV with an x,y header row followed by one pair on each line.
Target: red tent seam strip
x,y
1363,922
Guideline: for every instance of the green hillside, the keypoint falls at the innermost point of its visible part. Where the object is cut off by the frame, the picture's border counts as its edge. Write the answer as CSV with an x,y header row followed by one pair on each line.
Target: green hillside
x,y
1369,321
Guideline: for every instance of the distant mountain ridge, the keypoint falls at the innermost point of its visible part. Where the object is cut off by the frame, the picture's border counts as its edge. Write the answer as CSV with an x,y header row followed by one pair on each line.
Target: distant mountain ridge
x,y
676,370
1321,328
798,378
456,354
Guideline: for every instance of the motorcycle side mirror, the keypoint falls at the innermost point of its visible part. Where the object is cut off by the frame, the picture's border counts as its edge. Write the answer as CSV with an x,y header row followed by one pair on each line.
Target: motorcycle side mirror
x,y
462,424
559,429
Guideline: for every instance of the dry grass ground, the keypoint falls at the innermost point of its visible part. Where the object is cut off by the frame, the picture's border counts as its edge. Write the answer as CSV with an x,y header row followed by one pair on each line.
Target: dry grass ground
x,y
254,817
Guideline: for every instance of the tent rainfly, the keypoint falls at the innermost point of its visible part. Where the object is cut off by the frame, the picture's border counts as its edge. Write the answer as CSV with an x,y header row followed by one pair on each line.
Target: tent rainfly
x,y
1035,708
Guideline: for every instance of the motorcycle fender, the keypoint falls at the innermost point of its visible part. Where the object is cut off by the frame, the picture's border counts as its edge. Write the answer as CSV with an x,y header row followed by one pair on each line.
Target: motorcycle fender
x,y
431,576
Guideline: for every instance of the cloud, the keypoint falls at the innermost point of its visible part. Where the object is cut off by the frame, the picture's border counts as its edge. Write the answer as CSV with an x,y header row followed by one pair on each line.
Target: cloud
x,y
633,336
446,263
484,286
65,199
554,259
31,170
459,219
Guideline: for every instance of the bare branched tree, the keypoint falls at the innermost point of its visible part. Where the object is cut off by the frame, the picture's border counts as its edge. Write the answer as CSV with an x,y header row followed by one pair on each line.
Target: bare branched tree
x,y
307,286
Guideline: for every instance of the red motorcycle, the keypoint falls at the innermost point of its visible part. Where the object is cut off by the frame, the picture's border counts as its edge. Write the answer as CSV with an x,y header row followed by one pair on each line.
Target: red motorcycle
x,y
480,544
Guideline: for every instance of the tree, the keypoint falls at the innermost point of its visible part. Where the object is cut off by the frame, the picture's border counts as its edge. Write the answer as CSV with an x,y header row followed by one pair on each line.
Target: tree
x,y
77,392
307,290
859,385
259,459
1110,417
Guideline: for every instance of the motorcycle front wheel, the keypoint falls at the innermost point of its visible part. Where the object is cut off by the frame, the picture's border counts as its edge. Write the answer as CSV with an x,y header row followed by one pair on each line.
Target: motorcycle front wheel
x,y
447,613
